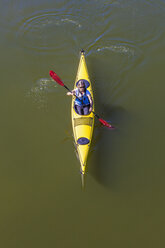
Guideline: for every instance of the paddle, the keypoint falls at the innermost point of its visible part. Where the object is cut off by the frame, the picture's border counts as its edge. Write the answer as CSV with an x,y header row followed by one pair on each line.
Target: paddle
x,y
59,81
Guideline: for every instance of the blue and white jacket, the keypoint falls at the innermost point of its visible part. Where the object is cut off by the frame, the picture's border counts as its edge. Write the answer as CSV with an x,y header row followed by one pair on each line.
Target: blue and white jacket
x,y
82,99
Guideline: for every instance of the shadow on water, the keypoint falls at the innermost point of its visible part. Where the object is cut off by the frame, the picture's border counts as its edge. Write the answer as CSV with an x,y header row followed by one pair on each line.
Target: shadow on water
x,y
107,143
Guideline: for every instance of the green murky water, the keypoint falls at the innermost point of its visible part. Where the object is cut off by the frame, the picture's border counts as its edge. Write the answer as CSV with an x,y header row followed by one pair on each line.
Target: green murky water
x,y
42,203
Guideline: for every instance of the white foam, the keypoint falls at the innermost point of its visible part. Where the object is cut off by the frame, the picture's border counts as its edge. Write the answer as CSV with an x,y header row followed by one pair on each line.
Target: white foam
x,y
118,49
71,21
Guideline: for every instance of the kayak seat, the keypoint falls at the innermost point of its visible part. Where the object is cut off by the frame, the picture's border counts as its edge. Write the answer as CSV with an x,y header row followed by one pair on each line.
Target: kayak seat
x,y
85,82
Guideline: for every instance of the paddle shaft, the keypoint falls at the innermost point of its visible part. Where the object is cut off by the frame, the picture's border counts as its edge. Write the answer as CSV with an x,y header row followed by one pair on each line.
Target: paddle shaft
x,y
67,88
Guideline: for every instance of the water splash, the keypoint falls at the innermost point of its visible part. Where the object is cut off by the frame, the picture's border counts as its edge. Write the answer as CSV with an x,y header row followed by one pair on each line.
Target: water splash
x,y
38,94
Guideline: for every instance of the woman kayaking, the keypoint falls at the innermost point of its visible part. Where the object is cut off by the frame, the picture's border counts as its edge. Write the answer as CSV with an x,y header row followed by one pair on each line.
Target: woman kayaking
x,y
83,101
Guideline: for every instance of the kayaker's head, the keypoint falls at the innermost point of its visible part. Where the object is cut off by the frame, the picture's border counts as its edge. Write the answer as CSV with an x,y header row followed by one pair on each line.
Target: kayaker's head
x,y
81,86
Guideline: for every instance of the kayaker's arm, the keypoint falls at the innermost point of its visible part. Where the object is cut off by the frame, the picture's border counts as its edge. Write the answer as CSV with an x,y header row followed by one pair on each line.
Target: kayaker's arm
x,y
71,93
91,103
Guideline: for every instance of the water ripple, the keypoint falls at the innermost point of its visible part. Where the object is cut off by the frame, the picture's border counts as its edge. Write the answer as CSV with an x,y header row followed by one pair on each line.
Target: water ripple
x,y
46,31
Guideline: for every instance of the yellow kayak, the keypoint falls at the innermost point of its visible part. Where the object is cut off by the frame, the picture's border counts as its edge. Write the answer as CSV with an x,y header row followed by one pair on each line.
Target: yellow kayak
x,y
82,124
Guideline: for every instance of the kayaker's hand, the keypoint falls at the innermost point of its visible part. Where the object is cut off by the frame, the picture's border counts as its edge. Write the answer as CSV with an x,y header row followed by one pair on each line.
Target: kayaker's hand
x,y
90,109
70,93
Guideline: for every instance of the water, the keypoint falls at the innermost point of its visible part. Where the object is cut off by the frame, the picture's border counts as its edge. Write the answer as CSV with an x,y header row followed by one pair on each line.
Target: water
x,y
42,202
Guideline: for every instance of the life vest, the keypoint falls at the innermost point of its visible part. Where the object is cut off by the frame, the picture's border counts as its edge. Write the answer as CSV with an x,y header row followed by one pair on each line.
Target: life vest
x,y
82,99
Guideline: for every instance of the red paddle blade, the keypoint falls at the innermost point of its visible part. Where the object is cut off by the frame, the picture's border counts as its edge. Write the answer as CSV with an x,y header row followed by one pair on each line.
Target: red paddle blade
x,y
56,78
105,123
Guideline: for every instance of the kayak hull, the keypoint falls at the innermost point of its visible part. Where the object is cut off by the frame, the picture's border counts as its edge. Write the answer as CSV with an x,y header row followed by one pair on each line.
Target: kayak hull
x,y
82,124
